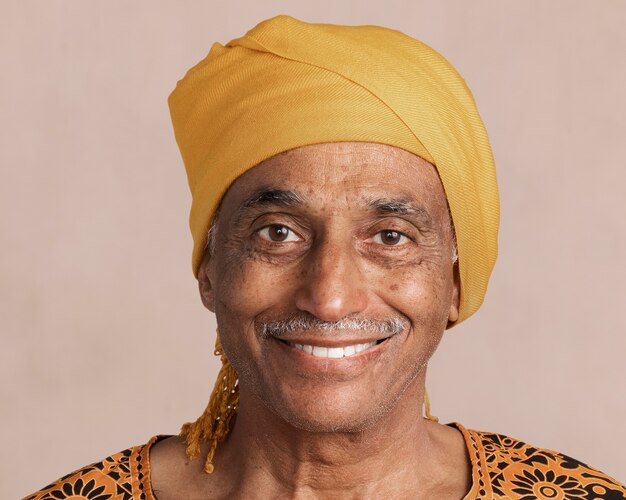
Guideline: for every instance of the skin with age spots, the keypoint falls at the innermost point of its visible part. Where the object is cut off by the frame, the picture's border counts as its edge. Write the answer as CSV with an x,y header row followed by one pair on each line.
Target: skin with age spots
x,y
329,232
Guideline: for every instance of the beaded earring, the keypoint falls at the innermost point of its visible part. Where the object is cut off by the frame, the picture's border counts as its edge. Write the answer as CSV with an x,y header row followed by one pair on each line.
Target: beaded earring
x,y
427,408
214,423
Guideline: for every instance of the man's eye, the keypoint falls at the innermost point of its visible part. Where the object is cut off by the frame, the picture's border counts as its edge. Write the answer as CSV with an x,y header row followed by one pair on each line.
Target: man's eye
x,y
277,233
390,238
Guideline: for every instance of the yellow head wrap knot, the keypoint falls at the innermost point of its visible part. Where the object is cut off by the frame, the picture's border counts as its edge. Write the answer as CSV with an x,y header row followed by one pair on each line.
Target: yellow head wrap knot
x,y
287,84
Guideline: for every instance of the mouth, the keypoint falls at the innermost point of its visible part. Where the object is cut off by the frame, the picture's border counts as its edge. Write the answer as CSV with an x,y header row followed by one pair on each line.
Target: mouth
x,y
345,351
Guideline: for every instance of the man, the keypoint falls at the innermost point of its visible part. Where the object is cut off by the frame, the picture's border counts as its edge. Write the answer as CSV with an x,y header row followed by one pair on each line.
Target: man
x,y
345,213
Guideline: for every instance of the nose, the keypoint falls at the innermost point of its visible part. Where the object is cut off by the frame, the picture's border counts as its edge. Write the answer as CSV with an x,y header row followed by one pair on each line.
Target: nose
x,y
332,285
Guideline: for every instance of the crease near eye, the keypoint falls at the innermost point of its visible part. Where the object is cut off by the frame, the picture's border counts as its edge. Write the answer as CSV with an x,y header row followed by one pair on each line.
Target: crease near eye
x,y
277,233
390,238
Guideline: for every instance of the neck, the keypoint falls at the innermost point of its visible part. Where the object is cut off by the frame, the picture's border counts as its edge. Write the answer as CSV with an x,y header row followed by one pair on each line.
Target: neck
x,y
400,453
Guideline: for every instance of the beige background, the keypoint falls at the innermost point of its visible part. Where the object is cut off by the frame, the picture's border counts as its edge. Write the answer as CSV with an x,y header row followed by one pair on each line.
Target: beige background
x,y
104,340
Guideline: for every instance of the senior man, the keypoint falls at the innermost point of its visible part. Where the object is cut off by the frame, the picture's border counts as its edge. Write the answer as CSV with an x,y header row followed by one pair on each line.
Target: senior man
x,y
345,213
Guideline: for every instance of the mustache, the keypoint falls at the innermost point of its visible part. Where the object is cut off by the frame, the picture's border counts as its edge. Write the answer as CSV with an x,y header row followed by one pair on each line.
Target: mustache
x,y
304,322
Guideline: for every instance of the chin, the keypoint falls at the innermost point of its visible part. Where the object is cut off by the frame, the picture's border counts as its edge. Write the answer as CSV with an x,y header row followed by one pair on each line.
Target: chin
x,y
332,416
345,424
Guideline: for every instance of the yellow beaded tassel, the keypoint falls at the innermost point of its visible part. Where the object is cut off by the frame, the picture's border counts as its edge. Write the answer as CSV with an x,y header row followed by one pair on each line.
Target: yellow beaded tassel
x,y
214,423
427,407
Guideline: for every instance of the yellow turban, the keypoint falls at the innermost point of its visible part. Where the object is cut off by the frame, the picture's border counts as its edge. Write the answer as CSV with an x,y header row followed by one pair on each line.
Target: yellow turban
x,y
287,84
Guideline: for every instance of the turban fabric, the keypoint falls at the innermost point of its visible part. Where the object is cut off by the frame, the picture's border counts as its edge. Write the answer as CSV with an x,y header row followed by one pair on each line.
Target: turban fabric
x,y
287,84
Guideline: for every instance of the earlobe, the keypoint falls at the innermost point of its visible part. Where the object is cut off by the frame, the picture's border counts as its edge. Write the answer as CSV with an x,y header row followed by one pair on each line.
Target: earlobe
x,y
207,294
453,312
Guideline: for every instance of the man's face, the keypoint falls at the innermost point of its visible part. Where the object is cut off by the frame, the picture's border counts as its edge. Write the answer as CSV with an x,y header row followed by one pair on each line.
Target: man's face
x,y
358,232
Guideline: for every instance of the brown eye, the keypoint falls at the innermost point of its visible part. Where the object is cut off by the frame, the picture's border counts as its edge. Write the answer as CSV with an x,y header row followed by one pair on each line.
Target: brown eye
x,y
389,237
278,233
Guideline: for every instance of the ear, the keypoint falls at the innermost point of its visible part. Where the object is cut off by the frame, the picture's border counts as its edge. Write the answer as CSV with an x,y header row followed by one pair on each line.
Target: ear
x,y
207,293
453,312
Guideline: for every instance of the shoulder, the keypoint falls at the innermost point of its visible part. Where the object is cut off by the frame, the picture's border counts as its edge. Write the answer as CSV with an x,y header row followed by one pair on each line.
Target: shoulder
x,y
515,469
121,476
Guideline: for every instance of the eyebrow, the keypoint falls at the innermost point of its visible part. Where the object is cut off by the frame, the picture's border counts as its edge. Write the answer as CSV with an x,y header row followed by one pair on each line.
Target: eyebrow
x,y
400,206
266,197
271,196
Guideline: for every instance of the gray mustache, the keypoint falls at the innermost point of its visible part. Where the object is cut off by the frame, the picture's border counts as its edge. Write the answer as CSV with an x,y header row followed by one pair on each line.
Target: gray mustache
x,y
283,328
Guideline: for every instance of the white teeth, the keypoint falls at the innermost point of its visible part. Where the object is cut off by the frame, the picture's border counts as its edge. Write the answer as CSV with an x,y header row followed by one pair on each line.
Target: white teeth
x,y
320,352
333,352
349,350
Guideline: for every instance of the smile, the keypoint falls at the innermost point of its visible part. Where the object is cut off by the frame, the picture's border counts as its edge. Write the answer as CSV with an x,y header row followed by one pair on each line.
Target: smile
x,y
333,352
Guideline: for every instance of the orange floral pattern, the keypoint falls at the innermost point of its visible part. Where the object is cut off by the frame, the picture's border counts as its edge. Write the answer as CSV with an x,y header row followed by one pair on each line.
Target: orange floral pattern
x,y
122,476
502,468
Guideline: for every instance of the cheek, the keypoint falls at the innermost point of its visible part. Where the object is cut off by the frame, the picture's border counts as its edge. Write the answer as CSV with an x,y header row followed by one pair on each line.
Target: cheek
x,y
421,294
248,287
245,288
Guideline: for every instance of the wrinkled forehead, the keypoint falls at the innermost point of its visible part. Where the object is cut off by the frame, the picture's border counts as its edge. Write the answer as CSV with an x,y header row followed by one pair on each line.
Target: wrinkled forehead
x,y
341,176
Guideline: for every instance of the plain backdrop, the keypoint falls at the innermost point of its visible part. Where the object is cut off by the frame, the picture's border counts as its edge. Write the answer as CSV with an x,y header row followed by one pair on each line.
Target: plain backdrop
x,y
104,339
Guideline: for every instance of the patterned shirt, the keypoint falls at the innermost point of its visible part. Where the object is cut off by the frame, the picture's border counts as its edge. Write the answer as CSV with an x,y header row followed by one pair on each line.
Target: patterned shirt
x,y
502,467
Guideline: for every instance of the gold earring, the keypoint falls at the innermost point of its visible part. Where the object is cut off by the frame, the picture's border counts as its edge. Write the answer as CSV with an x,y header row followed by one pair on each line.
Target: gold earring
x,y
214,423
427,407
